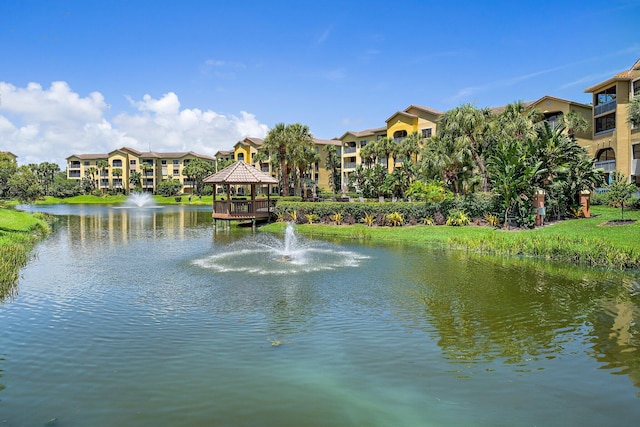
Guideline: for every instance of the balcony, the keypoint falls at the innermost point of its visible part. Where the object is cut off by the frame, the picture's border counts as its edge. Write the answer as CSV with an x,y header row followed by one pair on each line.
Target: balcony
x,y
348,150
607,165
349,165
604,108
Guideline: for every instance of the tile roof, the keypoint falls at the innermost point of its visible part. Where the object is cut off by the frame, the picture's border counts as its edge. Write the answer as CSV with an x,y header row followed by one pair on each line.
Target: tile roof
x,y
240,173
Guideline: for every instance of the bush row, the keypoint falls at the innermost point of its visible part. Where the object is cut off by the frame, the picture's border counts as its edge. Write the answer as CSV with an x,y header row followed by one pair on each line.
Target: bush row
x,y
475,206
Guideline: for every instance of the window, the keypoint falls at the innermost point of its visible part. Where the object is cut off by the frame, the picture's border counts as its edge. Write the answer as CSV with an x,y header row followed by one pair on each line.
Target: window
x,y
117,163
176,162
636,88
86,162
241,157
606,123
399,135
363,143
176,171
606,96
132,162
636,151
606,155
426,133
164,162
554,119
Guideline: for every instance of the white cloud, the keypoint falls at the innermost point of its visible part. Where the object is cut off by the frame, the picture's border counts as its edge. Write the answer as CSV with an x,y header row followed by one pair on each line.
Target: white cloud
x,y
39,124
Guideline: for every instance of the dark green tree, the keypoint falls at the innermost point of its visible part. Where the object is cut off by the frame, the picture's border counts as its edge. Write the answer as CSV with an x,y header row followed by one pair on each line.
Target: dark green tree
x,y
8,168
24,185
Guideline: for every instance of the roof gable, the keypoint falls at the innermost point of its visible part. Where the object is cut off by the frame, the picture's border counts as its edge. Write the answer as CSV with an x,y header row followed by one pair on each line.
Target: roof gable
x,y
240,173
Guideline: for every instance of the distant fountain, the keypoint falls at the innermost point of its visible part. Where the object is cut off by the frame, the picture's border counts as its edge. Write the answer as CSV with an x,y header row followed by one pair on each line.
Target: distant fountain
x,y
266,254
140,200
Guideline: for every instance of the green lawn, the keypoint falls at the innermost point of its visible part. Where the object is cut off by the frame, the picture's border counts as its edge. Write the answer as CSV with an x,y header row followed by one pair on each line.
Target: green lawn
x,y
585,240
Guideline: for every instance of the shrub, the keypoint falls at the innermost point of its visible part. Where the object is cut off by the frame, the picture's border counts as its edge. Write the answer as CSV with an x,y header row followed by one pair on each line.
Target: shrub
x,y
458,218
492,220
337,218
368,219
395,219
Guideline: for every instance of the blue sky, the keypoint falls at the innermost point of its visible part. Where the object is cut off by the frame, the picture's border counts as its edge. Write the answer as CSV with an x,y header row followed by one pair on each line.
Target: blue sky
x,y
92,76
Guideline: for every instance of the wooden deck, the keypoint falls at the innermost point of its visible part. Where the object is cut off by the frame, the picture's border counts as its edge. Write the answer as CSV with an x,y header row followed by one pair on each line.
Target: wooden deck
x,y
241,209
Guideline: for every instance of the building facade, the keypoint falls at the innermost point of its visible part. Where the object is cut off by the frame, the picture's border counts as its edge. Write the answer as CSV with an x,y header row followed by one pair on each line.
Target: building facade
x,y
113,170
616,142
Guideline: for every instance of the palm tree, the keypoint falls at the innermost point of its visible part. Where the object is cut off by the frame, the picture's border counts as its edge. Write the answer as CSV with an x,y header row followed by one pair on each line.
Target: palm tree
x,y
280,143
332,163
92,173
515,122
277,144
446,158
117,174
634,111
135,179
102,166
512,173
410,147
470,126
386,147
575,123
369,153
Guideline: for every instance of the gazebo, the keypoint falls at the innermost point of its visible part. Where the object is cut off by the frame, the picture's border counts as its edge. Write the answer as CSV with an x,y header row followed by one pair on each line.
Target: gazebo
x,y
229,209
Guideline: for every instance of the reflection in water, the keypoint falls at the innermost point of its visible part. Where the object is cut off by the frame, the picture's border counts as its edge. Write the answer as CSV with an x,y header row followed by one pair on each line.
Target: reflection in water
x,y
131,314
483,309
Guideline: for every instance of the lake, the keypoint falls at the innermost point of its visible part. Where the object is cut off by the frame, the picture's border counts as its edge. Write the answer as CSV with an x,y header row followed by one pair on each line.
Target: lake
x,y
149,317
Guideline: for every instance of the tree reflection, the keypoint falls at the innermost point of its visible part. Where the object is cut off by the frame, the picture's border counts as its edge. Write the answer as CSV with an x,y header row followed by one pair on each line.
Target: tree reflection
x,y
483,309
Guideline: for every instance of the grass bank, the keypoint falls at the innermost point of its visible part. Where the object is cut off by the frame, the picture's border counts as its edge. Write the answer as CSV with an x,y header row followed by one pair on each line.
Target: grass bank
x,y
587,241
19,232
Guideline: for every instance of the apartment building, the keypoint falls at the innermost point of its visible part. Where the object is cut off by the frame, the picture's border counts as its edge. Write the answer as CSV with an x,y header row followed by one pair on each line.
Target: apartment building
x,y
616,143
113,170
424,120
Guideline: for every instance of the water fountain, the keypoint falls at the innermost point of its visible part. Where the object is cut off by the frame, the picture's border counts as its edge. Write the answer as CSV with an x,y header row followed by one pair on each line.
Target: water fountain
x,y
140,200
265,254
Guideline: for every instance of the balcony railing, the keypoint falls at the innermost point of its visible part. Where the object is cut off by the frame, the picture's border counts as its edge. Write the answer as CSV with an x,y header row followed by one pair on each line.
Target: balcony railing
x,y
348,150
607,165
349,165
604,108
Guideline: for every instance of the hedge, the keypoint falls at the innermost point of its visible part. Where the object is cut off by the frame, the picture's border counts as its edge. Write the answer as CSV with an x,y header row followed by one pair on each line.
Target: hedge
x,y
475,206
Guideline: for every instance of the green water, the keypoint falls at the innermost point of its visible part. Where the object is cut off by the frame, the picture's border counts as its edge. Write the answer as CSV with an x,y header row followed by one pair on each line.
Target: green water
x,y
149,317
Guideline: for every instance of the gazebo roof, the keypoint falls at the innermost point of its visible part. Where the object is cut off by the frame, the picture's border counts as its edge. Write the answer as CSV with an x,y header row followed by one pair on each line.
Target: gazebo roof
x,y
240,173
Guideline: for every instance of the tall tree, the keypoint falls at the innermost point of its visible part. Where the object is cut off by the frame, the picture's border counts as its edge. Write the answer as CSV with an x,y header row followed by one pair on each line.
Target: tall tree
x,y
512,171
8,167
332,163
196,171
24,185
102,166
470,126
280,143
446,158
575,123
634,111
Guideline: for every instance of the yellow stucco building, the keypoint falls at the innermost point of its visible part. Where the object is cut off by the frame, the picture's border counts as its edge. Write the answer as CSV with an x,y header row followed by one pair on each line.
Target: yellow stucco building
x,y
121,163
616,143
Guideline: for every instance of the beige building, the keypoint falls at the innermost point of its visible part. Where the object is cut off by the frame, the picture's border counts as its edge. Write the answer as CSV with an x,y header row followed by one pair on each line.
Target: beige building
x,y
113,170
616,143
